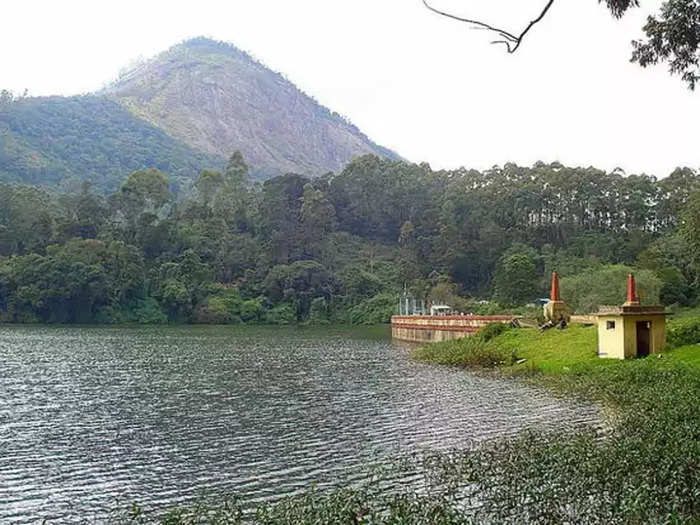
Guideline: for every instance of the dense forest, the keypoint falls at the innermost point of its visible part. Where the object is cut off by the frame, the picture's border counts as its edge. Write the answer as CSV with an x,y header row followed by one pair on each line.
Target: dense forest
x,y
342,247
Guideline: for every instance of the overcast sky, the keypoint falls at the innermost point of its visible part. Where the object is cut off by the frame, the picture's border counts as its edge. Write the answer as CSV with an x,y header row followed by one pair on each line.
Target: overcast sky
x,y
429,88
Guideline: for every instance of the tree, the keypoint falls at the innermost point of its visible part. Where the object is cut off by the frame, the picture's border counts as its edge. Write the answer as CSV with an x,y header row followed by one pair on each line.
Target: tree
x,y
6,98
82,215
690,230
673,36
237,171
233,199
56,288
607,286
299,284
317,220
208,185
26,219
280,216
181,285
141,198
146,190
516,278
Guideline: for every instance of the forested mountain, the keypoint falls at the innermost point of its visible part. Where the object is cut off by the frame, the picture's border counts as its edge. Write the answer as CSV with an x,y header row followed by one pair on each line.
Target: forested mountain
x,y
342,247
181,112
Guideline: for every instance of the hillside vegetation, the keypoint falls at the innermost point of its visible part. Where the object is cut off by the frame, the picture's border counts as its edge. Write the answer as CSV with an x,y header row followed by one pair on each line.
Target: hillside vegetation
x,y
341,248
63,141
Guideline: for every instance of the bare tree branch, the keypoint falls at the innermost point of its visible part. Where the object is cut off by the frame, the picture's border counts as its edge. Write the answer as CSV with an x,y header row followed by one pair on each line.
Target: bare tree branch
x,y
511,41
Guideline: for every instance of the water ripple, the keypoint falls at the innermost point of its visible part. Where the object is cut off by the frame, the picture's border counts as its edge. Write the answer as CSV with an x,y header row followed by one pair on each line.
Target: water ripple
x,y
89,416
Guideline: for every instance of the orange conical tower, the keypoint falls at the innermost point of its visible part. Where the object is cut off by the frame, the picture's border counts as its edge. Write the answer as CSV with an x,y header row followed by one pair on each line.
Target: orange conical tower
x,y
554,294
632,298
556,310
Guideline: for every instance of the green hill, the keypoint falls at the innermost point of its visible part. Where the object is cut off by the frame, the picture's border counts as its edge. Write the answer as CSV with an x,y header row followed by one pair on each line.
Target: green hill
x,y
60,141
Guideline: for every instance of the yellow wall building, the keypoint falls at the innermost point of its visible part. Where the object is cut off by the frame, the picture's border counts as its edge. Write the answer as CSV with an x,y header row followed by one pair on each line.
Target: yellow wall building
x,y
631,330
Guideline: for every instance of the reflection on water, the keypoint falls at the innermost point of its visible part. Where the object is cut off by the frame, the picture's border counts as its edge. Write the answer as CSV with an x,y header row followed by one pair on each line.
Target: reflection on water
x,y
156,415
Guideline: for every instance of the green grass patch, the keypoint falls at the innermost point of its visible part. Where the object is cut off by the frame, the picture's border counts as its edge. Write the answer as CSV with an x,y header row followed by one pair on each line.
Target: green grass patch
x,y
550,352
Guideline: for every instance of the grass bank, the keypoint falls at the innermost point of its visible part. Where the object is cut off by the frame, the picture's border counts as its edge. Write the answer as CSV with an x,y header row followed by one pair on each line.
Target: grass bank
x,y
644,470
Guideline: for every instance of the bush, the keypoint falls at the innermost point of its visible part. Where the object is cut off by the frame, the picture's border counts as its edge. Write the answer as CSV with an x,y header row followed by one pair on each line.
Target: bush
x,y
683,333
252,311
377,310
482,308
227,306
318,313
282,314
491,331
216,310
141,311
149,311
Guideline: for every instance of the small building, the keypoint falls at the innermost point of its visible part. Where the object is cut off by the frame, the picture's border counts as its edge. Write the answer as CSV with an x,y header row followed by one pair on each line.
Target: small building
x,y
441,309
631,330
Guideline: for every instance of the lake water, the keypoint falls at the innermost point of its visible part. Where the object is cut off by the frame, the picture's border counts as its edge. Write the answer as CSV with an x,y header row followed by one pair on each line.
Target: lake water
x,y
90,417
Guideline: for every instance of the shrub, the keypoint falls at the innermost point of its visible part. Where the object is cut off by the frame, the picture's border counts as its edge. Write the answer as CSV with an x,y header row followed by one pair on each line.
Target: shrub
x,y
490,331
683,333
148,311
226,306
318,313
252,311
377,310
282,314
141,311
216,310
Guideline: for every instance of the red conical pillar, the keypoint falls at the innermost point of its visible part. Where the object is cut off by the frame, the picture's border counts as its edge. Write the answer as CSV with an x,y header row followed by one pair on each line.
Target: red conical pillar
x,y
632,299
554,294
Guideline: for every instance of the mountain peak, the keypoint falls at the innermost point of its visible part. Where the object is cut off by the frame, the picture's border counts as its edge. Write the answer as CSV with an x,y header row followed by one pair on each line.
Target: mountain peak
x,y
218,99
208,45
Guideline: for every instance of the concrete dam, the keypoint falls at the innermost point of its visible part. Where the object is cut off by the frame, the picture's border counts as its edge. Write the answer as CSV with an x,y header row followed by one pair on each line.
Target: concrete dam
x,y
436,328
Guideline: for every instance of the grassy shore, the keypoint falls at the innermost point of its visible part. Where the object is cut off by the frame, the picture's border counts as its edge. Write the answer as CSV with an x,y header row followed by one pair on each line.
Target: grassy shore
x,y
553,352
644,468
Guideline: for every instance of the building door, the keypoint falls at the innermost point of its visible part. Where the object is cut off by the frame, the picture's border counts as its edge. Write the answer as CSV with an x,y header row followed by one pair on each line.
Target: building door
x,y
643,338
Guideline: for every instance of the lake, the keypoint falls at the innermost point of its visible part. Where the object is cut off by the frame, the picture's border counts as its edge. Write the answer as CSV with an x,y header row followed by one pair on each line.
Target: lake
x,y
93,417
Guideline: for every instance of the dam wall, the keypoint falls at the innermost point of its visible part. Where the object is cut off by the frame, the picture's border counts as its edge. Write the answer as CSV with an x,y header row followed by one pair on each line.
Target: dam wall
x,y
436,328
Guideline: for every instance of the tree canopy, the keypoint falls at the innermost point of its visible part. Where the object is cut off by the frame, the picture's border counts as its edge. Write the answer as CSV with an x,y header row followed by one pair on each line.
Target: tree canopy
x,y
343,247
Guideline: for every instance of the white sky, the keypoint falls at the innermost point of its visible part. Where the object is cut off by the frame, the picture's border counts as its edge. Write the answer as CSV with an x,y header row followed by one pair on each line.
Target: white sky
x,y
429,88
